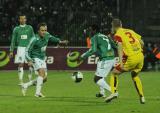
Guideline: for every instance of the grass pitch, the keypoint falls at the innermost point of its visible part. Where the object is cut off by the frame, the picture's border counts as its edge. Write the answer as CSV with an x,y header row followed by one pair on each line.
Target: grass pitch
x,y
65,96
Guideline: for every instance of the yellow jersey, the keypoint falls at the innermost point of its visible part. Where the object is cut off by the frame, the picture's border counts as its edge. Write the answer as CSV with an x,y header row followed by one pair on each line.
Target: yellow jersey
x,y
130,41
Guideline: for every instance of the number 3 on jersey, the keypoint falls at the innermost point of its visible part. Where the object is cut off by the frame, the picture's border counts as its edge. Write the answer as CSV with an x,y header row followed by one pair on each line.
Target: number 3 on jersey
x,y
132,40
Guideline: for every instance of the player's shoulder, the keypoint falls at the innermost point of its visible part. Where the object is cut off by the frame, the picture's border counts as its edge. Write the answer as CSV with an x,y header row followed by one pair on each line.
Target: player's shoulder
x,y
129,30
36,35
122,31
34,39
101,35
16,27
118,35
119,31
48,35
133,32
95,36
29,26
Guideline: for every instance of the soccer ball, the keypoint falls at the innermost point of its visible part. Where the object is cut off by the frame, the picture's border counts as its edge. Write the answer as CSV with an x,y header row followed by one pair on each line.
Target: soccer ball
x,y
77,76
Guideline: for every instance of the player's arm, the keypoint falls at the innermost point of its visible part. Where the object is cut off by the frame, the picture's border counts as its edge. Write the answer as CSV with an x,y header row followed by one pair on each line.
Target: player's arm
x,y
119,49
13,42
120,53
29,49
57,40
140,39
92,50
113,43
141,42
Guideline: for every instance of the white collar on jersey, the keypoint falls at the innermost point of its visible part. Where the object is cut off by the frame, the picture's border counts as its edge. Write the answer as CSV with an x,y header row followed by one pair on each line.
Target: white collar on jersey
x,y
22,25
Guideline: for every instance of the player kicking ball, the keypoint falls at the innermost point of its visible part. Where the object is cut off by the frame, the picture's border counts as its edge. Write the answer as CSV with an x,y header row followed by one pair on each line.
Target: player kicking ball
x,y
35,54
101,45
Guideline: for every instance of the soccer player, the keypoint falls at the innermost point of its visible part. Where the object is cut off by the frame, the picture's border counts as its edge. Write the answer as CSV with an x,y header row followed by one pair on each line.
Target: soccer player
x,y
131,58
20,37
36,53
101,45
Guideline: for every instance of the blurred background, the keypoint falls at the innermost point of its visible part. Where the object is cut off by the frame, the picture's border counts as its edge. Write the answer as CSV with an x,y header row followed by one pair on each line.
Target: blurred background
x,y
68,19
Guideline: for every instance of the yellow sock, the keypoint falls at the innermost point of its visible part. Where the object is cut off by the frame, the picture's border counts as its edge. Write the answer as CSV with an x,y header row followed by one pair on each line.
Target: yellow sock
x,y
138,85
114,83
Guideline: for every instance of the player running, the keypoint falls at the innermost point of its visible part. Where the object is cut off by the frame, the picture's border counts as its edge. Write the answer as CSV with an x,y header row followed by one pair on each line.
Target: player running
x,y
101,45
131,58
36,53
20,37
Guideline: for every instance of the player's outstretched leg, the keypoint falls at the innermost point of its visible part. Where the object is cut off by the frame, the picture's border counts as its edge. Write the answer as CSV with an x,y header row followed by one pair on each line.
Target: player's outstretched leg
x,y
103,85
114,85
138,86
25,86
24,89
30,73
101,93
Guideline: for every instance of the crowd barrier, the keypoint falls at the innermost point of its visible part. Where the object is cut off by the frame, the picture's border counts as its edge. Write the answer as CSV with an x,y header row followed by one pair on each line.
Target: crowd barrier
x,y
57,59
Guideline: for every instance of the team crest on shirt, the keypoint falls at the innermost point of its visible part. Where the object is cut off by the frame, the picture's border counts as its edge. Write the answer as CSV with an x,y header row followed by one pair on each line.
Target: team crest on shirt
x,y
23,36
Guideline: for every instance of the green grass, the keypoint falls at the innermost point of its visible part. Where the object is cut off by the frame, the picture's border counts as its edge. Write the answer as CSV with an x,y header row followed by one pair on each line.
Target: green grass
x,y
65,96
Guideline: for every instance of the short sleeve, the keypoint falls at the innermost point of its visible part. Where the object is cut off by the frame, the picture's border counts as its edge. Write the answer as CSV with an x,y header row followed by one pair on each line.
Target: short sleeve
x,y
117,38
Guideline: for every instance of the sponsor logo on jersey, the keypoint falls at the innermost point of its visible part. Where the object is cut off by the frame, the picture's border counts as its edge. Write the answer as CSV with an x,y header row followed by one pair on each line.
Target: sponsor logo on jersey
x,y
23,36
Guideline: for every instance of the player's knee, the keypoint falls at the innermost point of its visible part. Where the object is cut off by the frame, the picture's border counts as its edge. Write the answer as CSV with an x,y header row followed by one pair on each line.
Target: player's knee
x,y
29,65
134,74
46,73
20,65
97,78
45,80
41,72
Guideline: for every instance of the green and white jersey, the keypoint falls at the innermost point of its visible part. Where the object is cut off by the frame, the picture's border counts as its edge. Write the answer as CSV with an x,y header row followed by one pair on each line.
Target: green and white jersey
x,y
102,46
21,36
37,46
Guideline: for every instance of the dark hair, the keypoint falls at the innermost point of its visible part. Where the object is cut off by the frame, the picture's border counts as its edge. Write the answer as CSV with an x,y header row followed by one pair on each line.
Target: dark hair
x,y
95,28
21,14
116,22
41,24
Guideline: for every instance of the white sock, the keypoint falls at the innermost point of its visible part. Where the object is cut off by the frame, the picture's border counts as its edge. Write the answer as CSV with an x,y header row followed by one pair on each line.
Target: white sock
x,y
30,83
39,84
102,91
20,73
102,83
30,73
46,73
36,73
